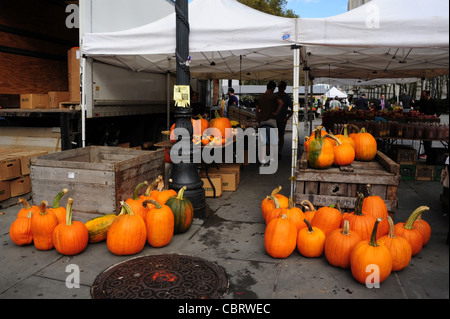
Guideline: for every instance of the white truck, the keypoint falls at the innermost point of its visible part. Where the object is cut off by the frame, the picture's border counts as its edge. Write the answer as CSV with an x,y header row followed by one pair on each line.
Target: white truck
x,y
122,105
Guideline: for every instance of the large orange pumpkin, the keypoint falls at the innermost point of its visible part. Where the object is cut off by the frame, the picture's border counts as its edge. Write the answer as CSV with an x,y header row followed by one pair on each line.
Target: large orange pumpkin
x,y
128,234
399,247
339,245
365,146
327,219
71,237
280,237
407,230
160,223
370,262
320,152
42,225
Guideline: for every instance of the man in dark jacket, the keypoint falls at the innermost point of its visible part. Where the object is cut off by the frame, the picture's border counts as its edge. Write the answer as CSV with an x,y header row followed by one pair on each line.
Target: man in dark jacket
x,y
362,104
382,104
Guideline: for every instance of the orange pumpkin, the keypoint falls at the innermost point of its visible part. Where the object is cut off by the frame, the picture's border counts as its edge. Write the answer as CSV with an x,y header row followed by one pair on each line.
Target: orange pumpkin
x,y
294,214
399,247
424,228
360,221
407,230
223,124
128,234
375,206
368,254
20,230
311,241
339,245
136,203
160,223
365,146
327,219
42,225
320,152
345,138
280,237
344,153
71,237
26,207
268,204
309,210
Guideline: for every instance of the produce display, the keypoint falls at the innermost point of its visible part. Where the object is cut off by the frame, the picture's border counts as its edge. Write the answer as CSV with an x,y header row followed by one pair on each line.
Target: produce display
x,y
352,241
152,218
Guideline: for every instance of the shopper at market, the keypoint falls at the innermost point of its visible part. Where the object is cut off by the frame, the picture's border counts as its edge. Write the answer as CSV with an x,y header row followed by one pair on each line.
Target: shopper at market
x,y
382,104
267,109
284,115
362,104
406,102
232,101
335,104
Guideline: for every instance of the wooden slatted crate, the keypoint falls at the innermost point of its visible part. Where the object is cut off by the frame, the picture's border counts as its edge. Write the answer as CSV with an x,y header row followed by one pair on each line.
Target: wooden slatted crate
x,y
341,185
97,178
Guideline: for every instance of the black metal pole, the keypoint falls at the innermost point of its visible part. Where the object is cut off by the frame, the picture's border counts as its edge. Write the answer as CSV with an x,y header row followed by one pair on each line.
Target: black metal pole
x,y
186,173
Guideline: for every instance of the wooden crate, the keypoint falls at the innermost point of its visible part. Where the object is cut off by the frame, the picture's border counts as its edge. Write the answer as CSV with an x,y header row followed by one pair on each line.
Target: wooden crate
x,y
404,155
338,185
408,172
424,172
98,178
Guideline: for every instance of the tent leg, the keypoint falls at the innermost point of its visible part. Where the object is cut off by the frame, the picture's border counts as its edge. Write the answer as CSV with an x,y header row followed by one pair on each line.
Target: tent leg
x,y
295,120
83,102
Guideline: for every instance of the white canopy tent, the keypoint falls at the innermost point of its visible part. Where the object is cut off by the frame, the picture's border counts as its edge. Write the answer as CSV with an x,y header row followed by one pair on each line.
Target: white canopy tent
x,y
384,38
333,92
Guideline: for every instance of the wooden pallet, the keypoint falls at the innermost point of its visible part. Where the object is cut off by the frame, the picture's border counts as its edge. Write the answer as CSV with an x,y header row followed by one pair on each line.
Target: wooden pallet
x,y
341,184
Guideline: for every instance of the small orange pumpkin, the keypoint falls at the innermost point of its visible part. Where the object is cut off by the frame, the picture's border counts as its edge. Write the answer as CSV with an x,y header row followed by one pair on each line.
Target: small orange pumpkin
x,y
42,225
327,219
26,207
365,146
407,230
339,245
136,203
360,221
20,230
160,224
268,204
320,152
424,228
375,206
280,237
311,241
309,210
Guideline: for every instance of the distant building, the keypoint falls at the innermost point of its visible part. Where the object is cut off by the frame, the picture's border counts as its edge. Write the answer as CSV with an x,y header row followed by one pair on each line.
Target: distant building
x,y
352,4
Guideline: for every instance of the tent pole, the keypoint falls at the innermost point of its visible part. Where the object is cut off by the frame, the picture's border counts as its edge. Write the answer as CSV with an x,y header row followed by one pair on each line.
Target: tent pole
x,y
295,119
83,102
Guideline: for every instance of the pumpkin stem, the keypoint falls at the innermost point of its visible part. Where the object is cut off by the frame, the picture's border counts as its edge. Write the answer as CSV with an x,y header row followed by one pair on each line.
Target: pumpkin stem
x,y
43,207
58,197
151,201
181,193
391,233
24,203
136,190
275,201
276,191
345,130
69,211
359,205
410,222
310,229
308,204
152,185
291,203
127,208
373,237
346,228
334,138
355,127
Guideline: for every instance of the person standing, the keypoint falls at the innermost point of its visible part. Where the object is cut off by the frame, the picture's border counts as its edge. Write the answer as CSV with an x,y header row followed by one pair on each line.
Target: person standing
x,y
267,109
284,115
382,104
406,102
428,106
335,104
232,101
361,103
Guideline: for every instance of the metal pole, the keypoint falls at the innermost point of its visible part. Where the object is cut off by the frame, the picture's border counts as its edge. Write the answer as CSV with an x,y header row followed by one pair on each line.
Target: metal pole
x,y
185,174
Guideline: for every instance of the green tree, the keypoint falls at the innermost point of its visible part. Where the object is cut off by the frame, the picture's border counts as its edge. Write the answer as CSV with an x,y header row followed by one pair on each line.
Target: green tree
x,y
274,7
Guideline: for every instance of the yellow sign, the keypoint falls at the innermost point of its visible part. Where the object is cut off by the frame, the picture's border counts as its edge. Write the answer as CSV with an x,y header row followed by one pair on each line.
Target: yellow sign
x,y
181,95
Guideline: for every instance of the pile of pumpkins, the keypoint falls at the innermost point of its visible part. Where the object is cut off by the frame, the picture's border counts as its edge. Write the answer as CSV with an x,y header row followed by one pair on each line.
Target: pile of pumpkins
x,y
367,236
152,218
215,132
325,150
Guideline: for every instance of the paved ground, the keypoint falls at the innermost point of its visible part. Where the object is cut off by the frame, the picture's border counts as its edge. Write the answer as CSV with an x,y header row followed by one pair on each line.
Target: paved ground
x,y
233,237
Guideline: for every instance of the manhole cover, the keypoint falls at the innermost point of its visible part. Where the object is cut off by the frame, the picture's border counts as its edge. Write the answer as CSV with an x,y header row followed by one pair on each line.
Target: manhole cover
x,y
161,277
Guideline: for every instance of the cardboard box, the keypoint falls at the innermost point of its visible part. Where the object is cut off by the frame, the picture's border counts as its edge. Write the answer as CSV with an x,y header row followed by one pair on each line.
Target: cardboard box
x,y
229,179
217,182
73,59
5,191
9,167
20,186
55,98
25,158
34,101
225,168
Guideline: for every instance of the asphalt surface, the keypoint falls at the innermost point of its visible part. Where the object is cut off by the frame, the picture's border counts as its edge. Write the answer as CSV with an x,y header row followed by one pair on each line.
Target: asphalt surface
x,y
232,236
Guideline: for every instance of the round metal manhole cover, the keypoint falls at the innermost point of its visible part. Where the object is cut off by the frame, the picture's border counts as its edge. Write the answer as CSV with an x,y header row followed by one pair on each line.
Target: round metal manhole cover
x,y
161,277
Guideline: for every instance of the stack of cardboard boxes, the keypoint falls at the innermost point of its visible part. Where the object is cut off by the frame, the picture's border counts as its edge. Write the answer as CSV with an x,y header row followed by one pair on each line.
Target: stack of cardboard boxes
x,y
53,100
15,171
224,177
